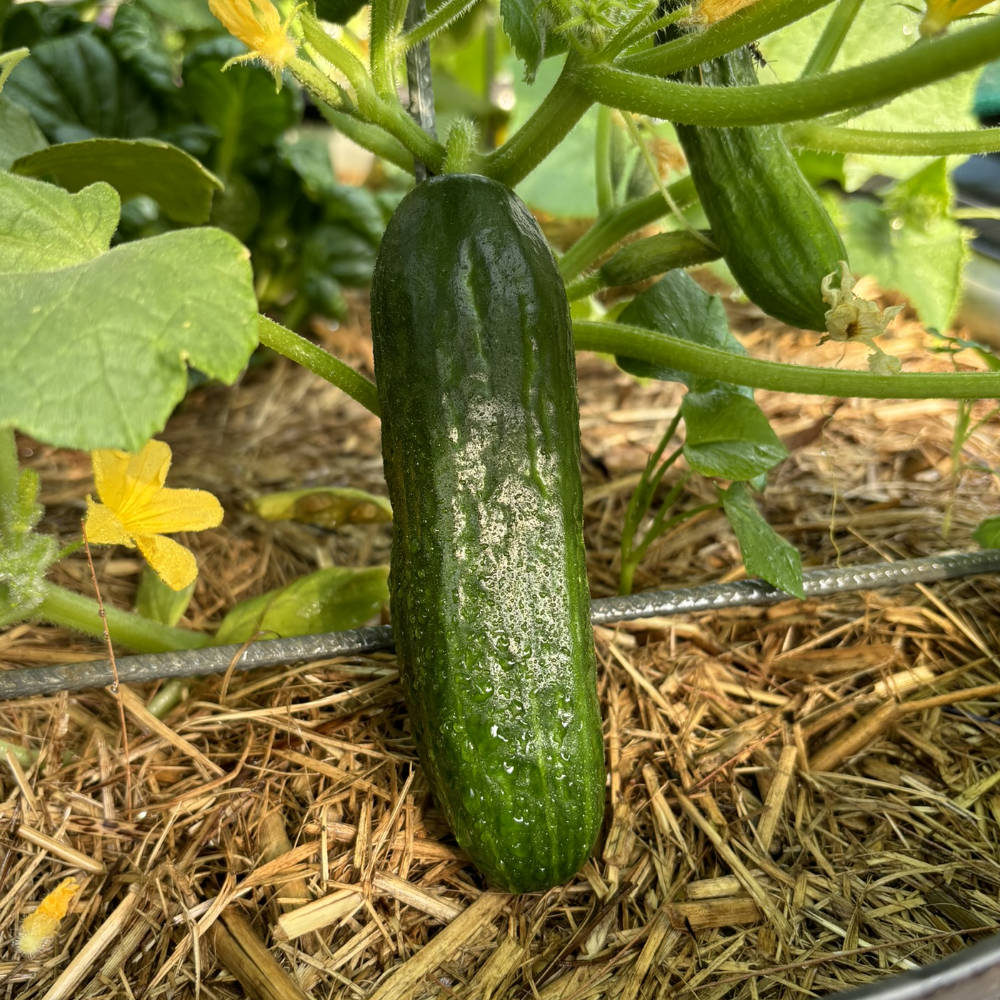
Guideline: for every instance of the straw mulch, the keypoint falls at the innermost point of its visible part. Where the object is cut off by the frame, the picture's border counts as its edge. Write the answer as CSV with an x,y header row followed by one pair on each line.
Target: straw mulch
x,y
801,798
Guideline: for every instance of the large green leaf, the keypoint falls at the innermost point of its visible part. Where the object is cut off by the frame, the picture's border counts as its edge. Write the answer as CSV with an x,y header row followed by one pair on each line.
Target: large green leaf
x,y
765,553
679,307
910,243
95,343
139,43
75,89
181,186
727,435
880,28
325,601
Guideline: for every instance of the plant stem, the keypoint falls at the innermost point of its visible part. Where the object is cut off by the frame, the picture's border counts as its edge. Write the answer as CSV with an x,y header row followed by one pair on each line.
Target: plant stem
x,y
825,51
303,352
338,55
436,21
602,161
832,139
618,223
64,607
660,349
746,25
386,22
561,108
863,85
371,137
10,474
645,258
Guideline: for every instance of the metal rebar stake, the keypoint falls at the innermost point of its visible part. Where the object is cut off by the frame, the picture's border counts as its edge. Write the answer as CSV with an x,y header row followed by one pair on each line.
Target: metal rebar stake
x,y
418,81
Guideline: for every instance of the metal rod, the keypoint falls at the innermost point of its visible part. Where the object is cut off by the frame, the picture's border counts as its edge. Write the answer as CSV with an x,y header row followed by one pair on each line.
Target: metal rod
x,y
25,682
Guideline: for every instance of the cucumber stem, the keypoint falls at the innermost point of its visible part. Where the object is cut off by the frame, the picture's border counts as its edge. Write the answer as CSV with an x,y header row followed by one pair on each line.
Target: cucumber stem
x,y
922,64
436,21
602,160
833,139
660,349
619,223
64,607
561,108
303,352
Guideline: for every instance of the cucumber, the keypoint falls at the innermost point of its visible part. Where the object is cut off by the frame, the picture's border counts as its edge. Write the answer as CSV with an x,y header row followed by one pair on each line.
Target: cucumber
x,y
766,218
475,371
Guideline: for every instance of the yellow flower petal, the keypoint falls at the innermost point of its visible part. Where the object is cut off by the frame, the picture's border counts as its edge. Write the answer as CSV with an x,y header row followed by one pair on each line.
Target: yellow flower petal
x,y
257,24
125,481
174,564
103,526
177,510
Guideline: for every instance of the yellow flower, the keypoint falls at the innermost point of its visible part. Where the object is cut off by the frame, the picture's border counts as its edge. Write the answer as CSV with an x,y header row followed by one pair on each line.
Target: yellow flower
x,y
258,25
40,926
940,13
137,510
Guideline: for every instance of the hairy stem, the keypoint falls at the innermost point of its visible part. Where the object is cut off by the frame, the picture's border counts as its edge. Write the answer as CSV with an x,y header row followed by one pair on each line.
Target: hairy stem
x,y
436,21
923,63
660,349
561,108
832,139
825,51
303,352
746,25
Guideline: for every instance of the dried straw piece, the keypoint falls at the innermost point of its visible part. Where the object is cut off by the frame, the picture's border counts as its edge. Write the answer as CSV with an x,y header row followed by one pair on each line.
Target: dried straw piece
x,y
136,708
780,784
730,911
867,729
403,981
319,913
502,964
656,933
243,953
60,850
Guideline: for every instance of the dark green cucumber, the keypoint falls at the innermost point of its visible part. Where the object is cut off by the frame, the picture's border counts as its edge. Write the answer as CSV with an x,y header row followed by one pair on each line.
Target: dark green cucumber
x,y
488,589
766,218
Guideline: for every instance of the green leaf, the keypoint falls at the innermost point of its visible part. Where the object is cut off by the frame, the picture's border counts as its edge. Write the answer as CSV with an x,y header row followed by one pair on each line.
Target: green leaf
x,y
95,343
138,42
987,534
727,435
19,135
338,11
526,31
239,104
880,28
325,506
181,186
8,60
328,600
679,307
24,555
158,602
43,227
765,553
186,15
910,243
75,89
563,184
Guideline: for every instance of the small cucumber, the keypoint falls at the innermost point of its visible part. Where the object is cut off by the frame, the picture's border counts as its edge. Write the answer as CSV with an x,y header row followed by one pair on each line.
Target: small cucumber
x,y
488,590
766,218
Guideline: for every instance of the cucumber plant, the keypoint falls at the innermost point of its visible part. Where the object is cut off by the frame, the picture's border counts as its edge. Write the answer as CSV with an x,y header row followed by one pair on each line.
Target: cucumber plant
x,y
471,326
